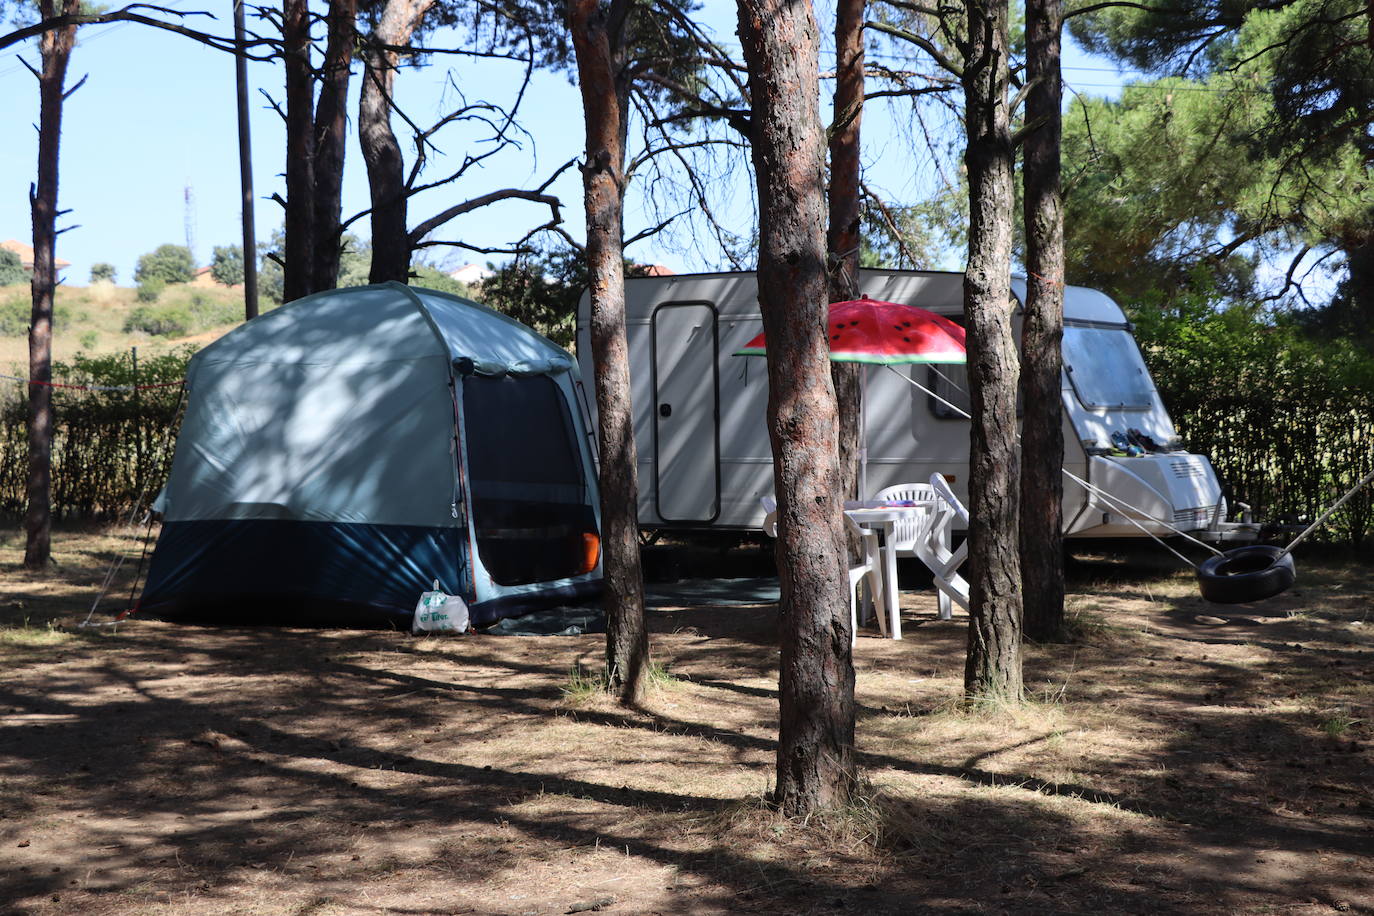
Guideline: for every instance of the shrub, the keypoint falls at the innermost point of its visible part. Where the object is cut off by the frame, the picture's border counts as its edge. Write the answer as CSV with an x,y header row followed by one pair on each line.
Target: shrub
x,y
108,446
211,311
16,313
11,269
102,272
170,263
89,339
150,288
183,312
159,320
1285,419
226,265
14,317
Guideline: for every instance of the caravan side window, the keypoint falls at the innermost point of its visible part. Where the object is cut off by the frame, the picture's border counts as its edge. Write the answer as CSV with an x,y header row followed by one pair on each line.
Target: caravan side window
x,y
1106,368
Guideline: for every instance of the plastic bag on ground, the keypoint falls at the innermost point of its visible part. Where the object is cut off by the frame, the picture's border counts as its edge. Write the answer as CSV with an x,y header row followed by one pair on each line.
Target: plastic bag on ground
x,y
439,612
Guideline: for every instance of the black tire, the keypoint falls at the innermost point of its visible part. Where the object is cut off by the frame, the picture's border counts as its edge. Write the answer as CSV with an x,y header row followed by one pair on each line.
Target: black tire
x,y
1245,574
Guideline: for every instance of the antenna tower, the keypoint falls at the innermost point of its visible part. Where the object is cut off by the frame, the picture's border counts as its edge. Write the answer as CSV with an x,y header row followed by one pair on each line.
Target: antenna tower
x,y
191,220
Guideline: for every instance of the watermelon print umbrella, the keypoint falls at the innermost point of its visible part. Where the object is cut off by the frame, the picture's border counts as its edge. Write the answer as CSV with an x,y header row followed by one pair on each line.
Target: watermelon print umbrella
x,y
882,333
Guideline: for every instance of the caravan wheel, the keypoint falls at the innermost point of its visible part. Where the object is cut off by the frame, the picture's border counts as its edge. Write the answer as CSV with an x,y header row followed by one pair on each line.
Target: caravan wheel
x,y
1245,574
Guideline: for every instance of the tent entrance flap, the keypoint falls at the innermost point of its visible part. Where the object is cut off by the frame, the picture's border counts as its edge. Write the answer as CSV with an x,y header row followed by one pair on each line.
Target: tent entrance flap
x,y
532,510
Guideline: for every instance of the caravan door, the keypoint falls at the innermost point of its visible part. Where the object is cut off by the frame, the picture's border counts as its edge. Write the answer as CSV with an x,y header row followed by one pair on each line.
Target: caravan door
x,y
686,412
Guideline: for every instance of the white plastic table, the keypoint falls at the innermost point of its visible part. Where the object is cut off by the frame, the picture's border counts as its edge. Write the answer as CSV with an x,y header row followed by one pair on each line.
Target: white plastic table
x,y
884,519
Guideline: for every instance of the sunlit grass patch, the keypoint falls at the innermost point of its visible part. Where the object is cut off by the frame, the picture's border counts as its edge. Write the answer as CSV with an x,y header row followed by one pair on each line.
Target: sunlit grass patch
x,y
25,636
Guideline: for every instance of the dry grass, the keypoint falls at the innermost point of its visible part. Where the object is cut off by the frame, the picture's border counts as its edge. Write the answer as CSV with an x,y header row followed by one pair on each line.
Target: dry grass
x,y
91,320
1177,757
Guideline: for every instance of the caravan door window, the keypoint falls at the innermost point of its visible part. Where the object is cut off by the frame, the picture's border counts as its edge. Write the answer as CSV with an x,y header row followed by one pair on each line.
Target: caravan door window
x,y
531,506
1106,369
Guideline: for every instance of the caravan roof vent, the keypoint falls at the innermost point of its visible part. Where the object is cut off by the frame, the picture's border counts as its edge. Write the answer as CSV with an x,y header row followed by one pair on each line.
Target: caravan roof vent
x,y
1185,469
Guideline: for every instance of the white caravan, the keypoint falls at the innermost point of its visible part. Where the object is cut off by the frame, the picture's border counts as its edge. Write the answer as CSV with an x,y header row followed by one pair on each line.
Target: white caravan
x,y
700,428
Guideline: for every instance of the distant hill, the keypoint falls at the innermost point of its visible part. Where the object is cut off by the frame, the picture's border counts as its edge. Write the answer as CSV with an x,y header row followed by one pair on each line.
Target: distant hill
x,y
103,318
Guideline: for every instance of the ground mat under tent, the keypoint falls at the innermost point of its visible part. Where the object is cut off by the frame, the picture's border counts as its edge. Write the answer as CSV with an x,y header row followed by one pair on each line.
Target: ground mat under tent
x,y
555,621
576,620
693,592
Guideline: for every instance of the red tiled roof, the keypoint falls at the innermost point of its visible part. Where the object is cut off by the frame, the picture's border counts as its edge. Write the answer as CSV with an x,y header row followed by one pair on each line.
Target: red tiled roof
x,y
25,253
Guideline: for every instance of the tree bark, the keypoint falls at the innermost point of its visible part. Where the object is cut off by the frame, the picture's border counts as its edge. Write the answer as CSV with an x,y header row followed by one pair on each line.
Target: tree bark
x,y
1042,329
331,133
993,668
816,678
598,34
55,48
297,280
842,234
385,164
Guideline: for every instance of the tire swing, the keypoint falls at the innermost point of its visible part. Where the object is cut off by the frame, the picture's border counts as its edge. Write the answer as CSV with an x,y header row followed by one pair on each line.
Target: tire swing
x,y
1255,572
1244,574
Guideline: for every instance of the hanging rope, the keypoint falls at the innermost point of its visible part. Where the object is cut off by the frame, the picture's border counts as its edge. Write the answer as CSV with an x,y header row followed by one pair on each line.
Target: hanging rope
x,y
1115,501
1325,515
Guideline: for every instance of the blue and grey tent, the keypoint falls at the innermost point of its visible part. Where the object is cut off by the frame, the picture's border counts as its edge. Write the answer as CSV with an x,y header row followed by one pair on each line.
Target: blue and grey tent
x,y
341,453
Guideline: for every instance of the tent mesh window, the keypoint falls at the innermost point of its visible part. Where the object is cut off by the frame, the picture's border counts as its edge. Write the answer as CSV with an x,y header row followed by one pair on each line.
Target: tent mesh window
x,y
531,506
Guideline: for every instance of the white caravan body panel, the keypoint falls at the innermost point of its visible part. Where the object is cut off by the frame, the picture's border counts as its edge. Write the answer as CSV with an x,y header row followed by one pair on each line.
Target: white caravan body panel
x,y
700,412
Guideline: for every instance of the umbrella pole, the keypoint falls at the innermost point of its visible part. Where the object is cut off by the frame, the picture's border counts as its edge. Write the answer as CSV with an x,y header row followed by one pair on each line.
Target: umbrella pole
x,y
863,434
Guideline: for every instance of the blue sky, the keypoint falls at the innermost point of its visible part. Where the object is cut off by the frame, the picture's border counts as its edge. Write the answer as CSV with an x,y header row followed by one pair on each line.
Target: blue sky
x,y
155,120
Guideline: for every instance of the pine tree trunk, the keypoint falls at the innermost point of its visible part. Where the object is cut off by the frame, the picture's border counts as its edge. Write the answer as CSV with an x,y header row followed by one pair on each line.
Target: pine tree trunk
x,y
55,48
331,134
598,33
297,279
385,164
842,235
993,667
1042,427
816,683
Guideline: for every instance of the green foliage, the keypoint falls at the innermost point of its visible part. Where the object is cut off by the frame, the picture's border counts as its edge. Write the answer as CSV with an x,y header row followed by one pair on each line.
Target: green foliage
x,y
11,268
158,320
355,262
1260,157
102,273
226,265
271,281
16,314
541,290
915,237
434,278
151,288
1286,420
1155,180
185,313
108,446
169,263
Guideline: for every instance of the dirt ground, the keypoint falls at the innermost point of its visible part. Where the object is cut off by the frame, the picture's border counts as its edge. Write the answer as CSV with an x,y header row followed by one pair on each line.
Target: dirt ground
x,y
1178,757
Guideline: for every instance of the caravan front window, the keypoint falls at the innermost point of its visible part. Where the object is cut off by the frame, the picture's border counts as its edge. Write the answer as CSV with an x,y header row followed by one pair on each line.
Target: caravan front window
x,y
1105,367
531,505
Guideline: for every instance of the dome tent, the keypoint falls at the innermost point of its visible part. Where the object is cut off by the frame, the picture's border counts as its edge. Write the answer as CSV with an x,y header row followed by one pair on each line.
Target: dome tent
x,y
341,453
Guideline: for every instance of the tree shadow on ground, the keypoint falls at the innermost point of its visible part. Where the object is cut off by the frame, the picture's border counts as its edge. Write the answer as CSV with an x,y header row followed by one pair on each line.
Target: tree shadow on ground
x,y
193,768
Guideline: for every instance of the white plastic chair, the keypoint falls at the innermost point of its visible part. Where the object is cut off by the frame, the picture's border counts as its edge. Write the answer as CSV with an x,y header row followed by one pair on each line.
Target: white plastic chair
x,y
945,563
921,534
907,532
869,568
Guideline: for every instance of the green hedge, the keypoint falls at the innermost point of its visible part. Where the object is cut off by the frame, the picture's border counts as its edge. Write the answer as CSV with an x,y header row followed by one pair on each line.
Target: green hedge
x,y
1288,421
108,446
